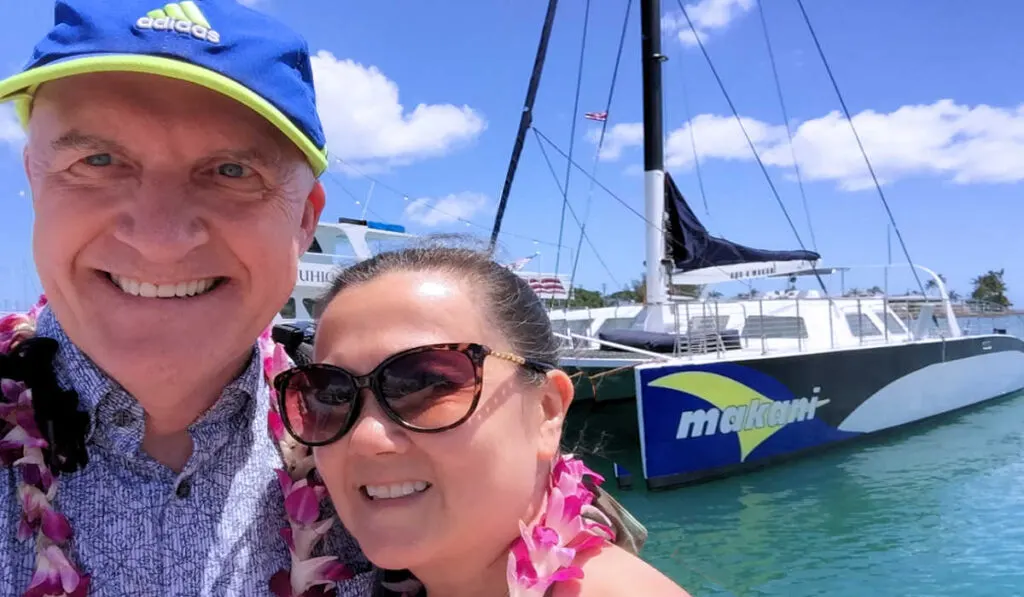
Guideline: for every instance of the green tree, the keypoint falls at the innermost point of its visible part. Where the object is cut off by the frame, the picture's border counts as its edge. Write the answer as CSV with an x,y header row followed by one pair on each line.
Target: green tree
x,y
991,287
687,290
583,298
637,291
931,284
625,295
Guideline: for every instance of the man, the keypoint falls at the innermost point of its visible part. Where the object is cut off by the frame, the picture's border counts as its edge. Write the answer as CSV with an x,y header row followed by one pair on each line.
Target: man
x,y
173,155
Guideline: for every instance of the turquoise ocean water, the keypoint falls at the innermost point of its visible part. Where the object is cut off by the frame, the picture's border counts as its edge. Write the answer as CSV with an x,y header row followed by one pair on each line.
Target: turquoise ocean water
x,y
936,509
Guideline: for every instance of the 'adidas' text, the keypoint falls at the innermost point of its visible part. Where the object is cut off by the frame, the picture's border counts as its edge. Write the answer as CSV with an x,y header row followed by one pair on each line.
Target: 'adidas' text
x,y
181,26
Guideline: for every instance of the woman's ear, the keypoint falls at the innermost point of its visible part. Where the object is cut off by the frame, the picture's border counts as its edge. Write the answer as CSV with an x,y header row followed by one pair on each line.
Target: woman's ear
x,y
558,393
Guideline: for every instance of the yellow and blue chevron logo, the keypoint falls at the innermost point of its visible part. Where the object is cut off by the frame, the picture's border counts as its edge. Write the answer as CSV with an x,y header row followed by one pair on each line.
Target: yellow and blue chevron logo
x,y
182,17
737,408
182,11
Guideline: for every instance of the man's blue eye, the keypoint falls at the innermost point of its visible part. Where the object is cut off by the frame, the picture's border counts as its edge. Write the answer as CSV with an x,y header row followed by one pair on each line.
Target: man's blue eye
x,y
231,170
100,159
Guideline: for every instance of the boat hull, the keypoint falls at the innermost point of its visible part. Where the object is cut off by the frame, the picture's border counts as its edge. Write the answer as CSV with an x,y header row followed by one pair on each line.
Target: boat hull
x,y
706,420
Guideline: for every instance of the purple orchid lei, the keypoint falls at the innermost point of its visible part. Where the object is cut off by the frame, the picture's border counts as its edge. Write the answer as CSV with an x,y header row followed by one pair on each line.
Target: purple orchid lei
x,y
569,525
25,448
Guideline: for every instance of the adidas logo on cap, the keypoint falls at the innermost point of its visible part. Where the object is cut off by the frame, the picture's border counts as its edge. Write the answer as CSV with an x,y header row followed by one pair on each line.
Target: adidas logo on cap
x,y
182,17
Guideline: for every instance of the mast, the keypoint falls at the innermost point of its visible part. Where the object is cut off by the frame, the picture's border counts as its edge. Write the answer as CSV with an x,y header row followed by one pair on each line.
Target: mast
x,y
525,120
654,161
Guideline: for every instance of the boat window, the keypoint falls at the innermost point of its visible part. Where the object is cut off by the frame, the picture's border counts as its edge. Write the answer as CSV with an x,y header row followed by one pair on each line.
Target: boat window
x,y
774,326
707,324
861,325
288,311
616,323
309,303
894,324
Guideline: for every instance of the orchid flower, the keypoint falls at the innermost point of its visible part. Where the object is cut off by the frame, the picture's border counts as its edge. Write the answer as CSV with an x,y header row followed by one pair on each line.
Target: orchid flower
x,y
14,329
55,575
37,511
546,549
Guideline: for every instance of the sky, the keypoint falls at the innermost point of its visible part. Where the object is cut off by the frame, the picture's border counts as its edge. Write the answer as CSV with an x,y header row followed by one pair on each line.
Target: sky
x,y
425,99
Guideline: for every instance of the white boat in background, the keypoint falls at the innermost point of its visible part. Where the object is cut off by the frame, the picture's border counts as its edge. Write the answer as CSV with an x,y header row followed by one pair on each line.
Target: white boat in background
x,y
709,388
349,241
700,388
336,245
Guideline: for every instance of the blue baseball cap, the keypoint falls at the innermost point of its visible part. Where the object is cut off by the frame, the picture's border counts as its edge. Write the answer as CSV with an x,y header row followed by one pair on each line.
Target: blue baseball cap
x,y
218,44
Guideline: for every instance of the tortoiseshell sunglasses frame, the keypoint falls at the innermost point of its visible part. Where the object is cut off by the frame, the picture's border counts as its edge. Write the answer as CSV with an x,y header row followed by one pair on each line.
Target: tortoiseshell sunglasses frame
x,y
476,353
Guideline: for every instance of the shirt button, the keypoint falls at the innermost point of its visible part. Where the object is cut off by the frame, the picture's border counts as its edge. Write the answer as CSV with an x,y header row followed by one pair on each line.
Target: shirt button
x,y
123,418
184,489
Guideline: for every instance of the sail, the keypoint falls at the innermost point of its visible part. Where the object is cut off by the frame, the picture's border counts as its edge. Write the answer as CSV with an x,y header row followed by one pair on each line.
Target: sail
x,y
691,246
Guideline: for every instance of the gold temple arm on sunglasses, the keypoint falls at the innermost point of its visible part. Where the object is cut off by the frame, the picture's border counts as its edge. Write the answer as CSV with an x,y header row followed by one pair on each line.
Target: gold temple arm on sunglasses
x,y
518,360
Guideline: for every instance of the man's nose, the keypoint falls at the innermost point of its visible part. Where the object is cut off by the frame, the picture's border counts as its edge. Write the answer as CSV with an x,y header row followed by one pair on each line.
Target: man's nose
x,y
161,223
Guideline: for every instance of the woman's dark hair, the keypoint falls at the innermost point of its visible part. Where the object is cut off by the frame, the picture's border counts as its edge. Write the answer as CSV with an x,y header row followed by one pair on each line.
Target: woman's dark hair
x,y
506,298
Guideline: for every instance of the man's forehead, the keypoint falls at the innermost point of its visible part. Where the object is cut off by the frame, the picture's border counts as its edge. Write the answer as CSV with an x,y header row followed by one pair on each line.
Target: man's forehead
x,y
127,109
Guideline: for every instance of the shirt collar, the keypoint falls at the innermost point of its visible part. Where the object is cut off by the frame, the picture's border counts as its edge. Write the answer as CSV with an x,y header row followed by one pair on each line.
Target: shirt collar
x,y
106,400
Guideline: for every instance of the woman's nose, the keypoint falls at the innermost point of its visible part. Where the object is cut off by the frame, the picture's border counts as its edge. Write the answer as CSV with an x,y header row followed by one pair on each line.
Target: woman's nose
x,y
374,432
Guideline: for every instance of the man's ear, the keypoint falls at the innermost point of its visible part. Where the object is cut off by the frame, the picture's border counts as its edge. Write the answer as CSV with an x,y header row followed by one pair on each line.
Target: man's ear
x,y
311,212
558,393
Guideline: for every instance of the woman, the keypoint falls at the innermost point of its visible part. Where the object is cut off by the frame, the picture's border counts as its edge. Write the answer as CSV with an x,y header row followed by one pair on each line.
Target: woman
x,y
436,411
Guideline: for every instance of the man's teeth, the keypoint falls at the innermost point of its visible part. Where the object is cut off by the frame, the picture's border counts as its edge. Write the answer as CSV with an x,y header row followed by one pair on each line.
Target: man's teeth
x,y
396,490
148,290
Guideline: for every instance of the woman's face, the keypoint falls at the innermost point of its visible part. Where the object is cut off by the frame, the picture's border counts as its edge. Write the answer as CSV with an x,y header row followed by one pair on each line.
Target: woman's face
x,y
474,482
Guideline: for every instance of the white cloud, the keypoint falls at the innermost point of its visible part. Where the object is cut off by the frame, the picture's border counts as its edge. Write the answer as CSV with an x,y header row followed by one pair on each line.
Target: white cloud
x,y
251,2
707,15
366,124
446,210
719,137
618,137
980,144
11,132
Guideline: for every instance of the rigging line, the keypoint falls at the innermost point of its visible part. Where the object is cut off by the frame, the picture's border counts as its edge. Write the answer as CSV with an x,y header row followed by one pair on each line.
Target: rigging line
x,y
437,209
619,199
583,233
693,143
600,144
846,112
351,194
757,156
785,119
368,177
572,131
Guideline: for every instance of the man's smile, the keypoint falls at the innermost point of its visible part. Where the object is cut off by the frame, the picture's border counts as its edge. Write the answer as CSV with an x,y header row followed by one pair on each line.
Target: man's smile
x,y
182,289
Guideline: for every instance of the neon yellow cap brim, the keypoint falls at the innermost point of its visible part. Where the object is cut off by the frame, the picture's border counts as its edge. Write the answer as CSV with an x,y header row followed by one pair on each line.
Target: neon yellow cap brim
x,y
21,87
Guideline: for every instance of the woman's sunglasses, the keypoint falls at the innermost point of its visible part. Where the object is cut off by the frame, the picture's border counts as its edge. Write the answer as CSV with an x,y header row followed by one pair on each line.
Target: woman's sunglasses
x,y
427,389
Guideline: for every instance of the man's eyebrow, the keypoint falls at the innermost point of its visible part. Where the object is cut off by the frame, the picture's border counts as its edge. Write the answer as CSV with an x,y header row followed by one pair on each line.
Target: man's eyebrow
x,y
74,139
77,140
251,154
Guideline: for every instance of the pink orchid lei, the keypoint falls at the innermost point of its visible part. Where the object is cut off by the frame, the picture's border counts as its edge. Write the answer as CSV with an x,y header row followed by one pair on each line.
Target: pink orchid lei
x,y
22,445
569,525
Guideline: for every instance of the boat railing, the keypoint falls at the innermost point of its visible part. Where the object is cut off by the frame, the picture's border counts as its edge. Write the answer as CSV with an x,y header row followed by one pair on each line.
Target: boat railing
x,y
720,328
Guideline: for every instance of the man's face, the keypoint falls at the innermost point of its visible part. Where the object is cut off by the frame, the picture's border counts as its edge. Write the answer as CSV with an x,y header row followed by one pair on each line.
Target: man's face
x,y
168,221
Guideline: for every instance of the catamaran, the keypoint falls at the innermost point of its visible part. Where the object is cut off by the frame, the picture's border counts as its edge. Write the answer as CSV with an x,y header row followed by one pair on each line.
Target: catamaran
x,y
707,388
698,388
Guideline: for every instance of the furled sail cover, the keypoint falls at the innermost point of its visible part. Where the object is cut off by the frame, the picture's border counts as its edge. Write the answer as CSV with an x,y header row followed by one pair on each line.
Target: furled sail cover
x,y
691,247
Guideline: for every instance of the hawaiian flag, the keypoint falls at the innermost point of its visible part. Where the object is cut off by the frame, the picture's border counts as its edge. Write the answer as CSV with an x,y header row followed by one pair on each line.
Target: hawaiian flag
x,y
598,116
